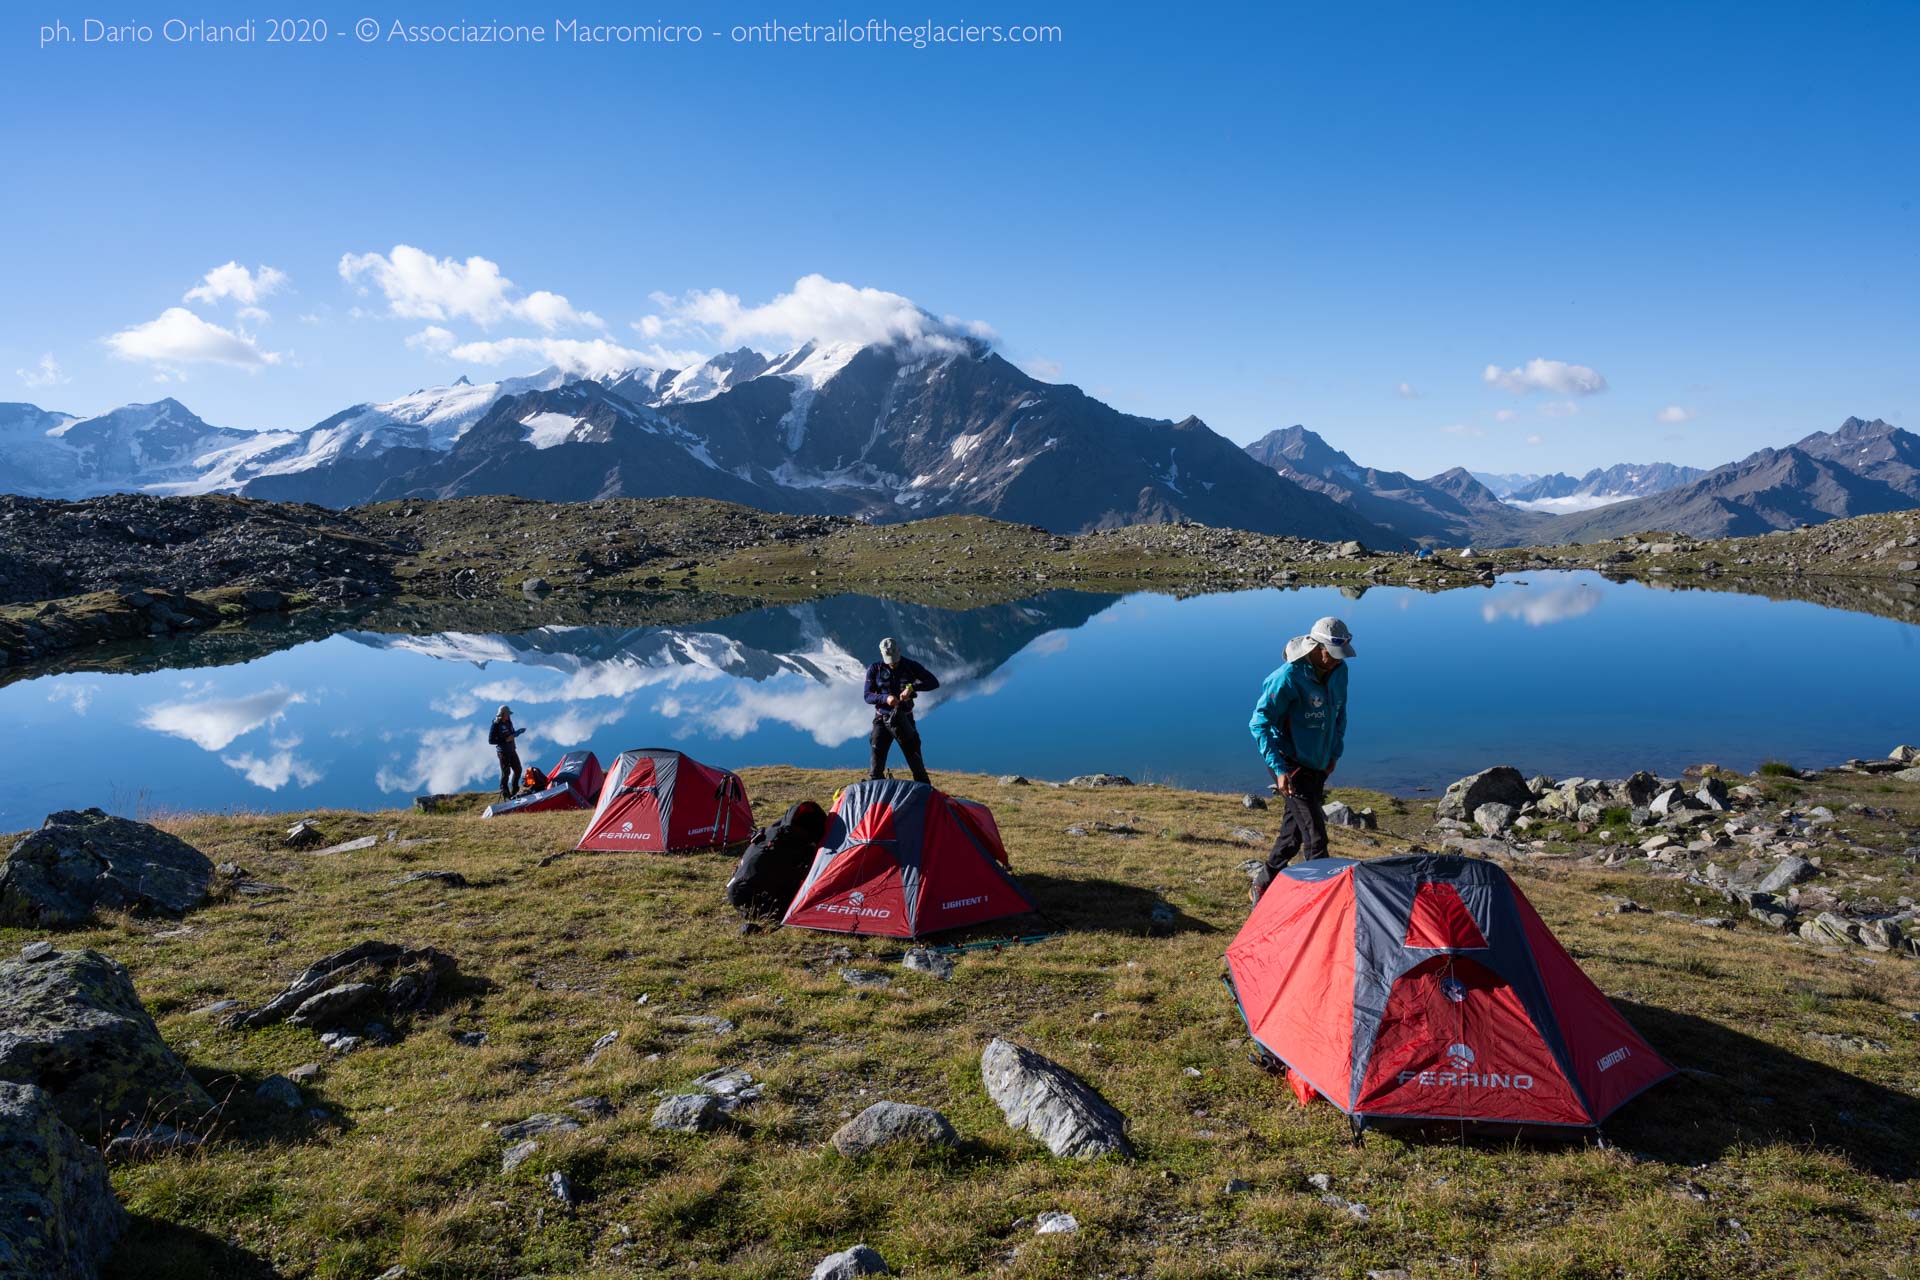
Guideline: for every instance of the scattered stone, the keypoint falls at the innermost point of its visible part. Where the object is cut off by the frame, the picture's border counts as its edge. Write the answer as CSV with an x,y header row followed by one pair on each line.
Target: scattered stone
x,y
339,1042
1494,818
1100,780
1848,1043
864,978
732,1085
451,879
849,1263
348,846
697,1022
150,1139
1051,1103
35,951
924,960
1162,919
1339,814
537,1124
1320,1181
279,1089
1829,929
1237,1186
893,1123
1251,801
82,861
72,1024
593,1108
470,1039
535,587
517,1154
371,981
217,1008
561,1189
305,1073
1053,1223
1627,907
303,834
1014,780
688,1113
600,1046
1247,835
1499,785
1713,794
1359,1211
58,1215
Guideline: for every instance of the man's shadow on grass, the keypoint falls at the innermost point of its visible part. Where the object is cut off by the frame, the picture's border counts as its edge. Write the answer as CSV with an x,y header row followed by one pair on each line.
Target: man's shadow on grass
x,y
156,1250
1076,905
1734,1090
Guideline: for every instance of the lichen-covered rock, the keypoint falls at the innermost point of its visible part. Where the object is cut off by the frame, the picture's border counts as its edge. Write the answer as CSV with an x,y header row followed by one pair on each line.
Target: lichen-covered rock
x,y
80,862
890,1123
1052,1103
72,1024
1501,784
371,981
58,1217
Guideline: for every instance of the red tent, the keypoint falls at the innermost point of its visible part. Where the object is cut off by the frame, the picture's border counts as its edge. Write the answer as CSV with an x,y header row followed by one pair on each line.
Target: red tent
x,y
662,801
903,859
1426,988
572,784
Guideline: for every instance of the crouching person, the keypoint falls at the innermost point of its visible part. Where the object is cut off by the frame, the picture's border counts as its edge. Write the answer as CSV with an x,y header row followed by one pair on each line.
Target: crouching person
x,y
1300,726
776,862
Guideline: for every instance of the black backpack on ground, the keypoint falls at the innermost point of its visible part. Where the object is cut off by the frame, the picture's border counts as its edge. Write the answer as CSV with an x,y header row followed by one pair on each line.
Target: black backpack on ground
x,y
776,862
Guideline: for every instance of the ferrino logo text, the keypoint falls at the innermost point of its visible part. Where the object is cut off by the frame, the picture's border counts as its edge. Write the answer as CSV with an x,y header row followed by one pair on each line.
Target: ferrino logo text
x,y
626,832
962,902
1460,1058
855,905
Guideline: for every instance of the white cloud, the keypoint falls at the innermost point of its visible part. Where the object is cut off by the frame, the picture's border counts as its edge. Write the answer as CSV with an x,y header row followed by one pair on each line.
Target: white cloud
x,y
575,725
1504,415
275,771
178,336
1464,431
1676,413
1536,440
77,696
588,357
815,309
447,759
212,724
1560,409
1556,376
1042,368
419,286
1542,608
46,372
1406,392
236,282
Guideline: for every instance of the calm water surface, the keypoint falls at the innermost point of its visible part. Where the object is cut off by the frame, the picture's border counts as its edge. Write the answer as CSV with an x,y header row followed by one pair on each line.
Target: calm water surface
x,y
1558,673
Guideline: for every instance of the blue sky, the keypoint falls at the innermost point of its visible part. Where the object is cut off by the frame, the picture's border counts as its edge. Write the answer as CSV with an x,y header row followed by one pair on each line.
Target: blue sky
x,y
1264,214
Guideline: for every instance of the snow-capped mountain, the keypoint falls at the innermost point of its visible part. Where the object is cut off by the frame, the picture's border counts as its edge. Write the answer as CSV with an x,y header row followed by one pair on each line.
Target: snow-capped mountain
x,y
135,446
1559,493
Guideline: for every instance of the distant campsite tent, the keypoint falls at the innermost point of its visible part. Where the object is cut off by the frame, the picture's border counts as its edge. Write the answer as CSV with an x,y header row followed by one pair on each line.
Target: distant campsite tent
x,y
659,800
1426,988
904,860
574,783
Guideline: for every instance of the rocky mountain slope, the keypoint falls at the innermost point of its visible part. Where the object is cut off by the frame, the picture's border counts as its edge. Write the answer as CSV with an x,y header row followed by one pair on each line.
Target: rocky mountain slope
x,y
1560,493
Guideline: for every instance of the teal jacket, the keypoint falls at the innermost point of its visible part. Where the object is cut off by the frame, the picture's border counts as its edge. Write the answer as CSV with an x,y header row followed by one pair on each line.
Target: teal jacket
x,y
1300,718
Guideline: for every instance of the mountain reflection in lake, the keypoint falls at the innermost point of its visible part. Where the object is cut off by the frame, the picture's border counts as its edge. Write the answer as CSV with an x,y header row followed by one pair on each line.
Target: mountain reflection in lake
x,y
1560,673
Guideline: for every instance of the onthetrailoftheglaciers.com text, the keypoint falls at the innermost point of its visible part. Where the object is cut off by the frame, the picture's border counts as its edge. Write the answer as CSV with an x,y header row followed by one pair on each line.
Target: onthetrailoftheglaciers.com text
x,y
561,31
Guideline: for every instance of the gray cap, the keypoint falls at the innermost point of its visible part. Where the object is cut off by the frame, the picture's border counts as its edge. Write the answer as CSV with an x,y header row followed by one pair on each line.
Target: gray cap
x,y
889,649
1332,635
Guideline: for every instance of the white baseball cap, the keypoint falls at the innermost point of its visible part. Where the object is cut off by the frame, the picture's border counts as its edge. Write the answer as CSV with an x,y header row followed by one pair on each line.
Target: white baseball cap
x,y
1332,635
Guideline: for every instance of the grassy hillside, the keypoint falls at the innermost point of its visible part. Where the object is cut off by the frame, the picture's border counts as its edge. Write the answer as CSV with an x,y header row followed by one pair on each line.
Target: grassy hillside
x,y
1774,1153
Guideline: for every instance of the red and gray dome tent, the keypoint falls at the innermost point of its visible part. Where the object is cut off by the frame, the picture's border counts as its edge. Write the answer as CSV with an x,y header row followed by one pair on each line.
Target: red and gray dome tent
x,y
573,784
661,801
1426,988
904,859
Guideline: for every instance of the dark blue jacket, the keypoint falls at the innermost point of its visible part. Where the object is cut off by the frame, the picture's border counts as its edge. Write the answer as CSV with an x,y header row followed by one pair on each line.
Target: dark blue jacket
x,y
884,681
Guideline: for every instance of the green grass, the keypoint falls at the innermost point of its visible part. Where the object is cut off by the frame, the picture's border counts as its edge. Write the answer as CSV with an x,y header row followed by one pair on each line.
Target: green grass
x,y
403,1170
1778,769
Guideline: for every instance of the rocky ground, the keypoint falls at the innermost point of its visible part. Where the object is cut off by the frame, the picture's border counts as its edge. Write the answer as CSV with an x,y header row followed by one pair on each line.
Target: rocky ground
x,y
125,567
417,1045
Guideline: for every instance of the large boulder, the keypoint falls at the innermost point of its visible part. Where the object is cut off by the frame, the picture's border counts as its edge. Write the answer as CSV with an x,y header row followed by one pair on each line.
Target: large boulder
x,y
1052,1103
84,861
72,1024
58,1217
1501,784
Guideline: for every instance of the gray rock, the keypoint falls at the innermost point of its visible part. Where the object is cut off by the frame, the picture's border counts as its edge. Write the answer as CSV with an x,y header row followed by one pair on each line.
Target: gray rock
x,y
80,862
1051,1103
1251,801
1905,754
336,1006
348,846
279,1090
848,1263
922,960
1501,784
1712,794
540,1122
560,1188
35,951
73,1025
451,879
303,834
1639,790
1320,1181
1014,780
1881,935
517,1154
1100,780
1670,802
1162,919
1828,929
1760,875
1237,1186
864,978
58,1217
305,1073
594,1108
1053,1223
150,1139
398,980
1339,814
1494,818
535,587
1247,835
733,1086
697,1022
600,1047
890,1123
688,1113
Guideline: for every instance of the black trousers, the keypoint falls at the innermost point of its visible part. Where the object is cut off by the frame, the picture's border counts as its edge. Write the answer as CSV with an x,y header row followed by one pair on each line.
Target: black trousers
x,y
509,773
1303,823
885,733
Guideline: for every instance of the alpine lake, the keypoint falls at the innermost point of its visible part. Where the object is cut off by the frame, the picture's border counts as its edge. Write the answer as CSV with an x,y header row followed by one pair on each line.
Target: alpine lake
x,y
1559,672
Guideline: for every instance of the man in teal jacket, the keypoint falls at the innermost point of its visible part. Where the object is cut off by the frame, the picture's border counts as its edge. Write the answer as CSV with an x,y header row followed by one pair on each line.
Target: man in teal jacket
x,y
1300,726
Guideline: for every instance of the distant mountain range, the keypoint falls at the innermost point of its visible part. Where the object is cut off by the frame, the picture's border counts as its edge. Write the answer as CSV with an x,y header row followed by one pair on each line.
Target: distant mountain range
x,y
894,432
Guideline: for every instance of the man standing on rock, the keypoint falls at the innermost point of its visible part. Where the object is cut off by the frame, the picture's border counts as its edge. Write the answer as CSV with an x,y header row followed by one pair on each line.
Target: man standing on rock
x,y
892,683
501,736
1300,726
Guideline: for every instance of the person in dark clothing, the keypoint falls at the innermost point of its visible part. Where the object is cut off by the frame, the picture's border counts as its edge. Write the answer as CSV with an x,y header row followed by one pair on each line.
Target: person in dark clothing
x,y
892,683
501,737
1300,726
776,862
